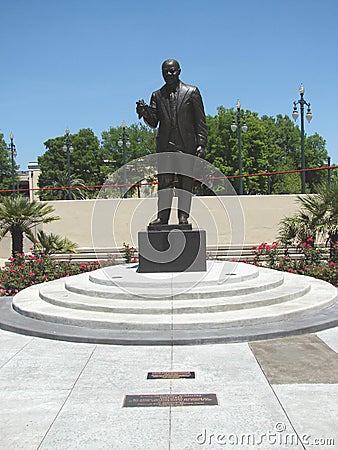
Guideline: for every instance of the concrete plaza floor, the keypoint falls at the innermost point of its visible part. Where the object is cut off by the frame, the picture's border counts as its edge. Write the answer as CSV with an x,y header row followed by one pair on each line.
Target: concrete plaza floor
x,y
276,394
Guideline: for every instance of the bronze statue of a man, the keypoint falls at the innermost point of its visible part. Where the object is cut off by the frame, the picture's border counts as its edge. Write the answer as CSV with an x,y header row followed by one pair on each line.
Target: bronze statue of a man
x,y
178,110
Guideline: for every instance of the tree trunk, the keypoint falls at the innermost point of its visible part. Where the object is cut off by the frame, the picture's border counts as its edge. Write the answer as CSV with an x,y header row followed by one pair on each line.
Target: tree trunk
x,y
333,247
17,240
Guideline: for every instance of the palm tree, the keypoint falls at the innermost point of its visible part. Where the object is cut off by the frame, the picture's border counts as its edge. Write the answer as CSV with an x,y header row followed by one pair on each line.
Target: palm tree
x,y
18,216
60,190
299,227
53,243
317,217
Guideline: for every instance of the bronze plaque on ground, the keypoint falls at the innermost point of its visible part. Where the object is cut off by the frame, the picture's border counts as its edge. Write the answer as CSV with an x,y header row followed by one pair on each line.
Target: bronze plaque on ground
x,y
145,400
169,375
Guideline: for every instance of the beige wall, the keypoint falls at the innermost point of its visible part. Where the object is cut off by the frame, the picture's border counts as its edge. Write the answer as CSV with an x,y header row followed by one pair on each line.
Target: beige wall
x,y
107,223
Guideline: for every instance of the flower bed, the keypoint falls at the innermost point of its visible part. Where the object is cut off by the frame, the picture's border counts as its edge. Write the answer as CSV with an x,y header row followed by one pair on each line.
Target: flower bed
x,y
27,270
309,261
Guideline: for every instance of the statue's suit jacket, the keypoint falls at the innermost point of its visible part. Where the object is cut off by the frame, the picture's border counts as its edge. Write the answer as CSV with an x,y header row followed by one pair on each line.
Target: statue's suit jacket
x,y
190,117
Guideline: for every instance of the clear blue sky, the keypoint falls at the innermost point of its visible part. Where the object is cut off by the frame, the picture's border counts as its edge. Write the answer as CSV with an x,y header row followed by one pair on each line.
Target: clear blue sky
x,y
84,63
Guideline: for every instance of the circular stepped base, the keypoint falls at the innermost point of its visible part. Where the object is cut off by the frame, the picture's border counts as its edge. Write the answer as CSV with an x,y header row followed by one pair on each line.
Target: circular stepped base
x,y
11,321
229,301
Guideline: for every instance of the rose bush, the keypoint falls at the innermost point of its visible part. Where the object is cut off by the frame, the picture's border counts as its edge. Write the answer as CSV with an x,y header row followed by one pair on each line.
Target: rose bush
x,y
309,260
27,270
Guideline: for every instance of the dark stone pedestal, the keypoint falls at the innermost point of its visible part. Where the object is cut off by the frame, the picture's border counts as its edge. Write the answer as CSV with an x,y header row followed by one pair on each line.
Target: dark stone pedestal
x,y
172,248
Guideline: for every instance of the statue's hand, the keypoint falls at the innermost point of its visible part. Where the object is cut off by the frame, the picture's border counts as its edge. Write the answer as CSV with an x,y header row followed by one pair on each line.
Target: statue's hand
x,y
200,152
140,107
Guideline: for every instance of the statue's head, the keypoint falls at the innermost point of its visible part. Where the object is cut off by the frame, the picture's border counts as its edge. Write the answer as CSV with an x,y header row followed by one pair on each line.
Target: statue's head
x,y
171,71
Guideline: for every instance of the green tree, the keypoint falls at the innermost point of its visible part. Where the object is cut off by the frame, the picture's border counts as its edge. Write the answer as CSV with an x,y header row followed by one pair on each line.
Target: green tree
x,y
283,141
142,142
86,163
90,161
222,149
286,155
316,156
269,144
18,216
255,153
220,141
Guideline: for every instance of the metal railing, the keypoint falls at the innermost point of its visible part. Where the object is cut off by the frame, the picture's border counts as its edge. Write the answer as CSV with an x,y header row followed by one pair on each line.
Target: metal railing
x,y
27,190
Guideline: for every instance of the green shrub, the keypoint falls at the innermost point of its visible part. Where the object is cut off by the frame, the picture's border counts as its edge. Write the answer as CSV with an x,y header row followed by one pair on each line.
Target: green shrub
x,y
309,261
27,270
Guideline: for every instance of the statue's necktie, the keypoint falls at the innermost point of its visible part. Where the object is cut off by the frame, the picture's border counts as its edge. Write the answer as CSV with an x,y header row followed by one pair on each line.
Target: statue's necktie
x,y
172,100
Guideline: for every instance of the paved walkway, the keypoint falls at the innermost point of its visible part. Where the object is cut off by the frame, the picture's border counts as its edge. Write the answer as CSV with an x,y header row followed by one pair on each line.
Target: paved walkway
x,y
277,394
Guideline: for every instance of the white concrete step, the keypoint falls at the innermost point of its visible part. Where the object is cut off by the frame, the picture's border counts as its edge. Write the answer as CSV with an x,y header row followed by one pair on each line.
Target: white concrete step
x,y
56,294
156,289
218,272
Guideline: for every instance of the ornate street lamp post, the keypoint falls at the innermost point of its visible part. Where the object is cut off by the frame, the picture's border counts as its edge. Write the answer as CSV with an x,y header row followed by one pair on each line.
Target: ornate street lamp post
x,y
240,126
67,147
308,116
124,143
12,150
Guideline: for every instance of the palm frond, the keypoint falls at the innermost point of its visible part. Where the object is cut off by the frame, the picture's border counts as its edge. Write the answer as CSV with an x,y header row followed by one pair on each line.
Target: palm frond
x,y
53,243
316,217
